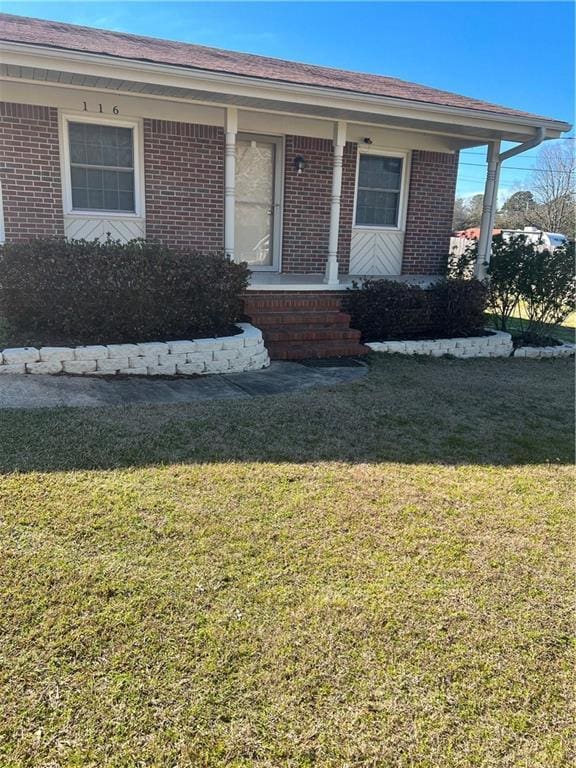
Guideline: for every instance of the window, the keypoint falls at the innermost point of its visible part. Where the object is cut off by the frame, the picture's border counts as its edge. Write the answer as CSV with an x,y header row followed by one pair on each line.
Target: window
x,y
101,167
379,186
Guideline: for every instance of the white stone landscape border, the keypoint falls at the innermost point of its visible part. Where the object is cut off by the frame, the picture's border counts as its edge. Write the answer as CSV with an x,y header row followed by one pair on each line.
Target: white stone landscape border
x,y
560,350
226,354
496,344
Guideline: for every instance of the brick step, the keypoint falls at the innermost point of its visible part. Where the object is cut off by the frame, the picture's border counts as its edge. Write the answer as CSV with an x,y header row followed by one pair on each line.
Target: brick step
x,y
298,317
290,350
296,326
309,332
290,303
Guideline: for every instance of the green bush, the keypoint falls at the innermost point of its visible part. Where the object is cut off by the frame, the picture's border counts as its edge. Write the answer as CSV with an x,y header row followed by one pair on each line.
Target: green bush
x,y
387,309
457,308
547,289
80,292
536,285
462,266
506,264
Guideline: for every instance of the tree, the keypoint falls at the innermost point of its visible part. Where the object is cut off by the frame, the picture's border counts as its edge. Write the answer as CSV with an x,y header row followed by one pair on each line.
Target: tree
x,y
554,188
460,218
516,211
475,205
467,212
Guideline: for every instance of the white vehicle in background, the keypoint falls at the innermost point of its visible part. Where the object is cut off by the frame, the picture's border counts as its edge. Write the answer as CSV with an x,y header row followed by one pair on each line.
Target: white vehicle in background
x,y
542,240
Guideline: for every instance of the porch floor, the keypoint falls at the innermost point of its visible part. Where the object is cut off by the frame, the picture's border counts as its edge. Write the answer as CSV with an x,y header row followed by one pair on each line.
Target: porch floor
x,y
285,281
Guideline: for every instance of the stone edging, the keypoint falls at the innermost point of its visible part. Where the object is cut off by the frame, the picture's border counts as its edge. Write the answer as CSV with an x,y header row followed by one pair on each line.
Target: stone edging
x,y
561,350
498,344
227,354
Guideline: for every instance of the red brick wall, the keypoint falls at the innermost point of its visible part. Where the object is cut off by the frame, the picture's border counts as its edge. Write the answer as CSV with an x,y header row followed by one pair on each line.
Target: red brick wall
x,y
30,171
184,172
430,210
306,221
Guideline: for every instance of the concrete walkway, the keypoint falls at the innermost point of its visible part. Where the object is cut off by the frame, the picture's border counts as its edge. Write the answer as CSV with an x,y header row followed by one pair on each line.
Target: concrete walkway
x,y
30,391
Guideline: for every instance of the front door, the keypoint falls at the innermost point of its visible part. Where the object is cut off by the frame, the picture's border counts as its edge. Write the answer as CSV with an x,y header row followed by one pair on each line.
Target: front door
x,y
258,191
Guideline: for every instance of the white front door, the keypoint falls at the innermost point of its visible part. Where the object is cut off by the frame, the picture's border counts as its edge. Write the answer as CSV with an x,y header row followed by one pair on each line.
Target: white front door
x,y
258,209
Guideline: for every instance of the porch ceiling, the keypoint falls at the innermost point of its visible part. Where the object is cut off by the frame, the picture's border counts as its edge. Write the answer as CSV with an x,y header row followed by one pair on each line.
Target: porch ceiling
x,y
470,134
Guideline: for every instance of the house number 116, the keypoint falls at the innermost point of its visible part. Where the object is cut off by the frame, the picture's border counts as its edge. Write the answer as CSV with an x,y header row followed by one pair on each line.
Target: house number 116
x,y
115,110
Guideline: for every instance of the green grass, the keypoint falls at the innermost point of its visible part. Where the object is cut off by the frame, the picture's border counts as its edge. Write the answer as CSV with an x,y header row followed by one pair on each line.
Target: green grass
x,y
369,575
565,332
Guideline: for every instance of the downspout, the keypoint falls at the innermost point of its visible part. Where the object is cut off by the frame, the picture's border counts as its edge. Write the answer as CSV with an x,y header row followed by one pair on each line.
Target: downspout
x,y
495,160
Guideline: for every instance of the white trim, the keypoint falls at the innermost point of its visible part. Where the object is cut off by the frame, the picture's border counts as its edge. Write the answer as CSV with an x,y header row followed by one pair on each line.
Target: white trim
x,y
338,144
459,140
231,132
404,185
67,97
244,85
97,119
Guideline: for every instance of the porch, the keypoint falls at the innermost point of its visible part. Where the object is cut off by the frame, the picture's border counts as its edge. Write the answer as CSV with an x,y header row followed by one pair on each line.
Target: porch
x,y
301,315
283,281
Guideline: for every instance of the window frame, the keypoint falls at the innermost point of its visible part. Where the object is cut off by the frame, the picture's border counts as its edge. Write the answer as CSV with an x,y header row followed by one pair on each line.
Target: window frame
x,y
402,194
97,119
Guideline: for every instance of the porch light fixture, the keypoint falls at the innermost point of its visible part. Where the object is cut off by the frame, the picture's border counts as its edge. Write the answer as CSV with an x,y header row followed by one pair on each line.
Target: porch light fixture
x,y
299,164
367,140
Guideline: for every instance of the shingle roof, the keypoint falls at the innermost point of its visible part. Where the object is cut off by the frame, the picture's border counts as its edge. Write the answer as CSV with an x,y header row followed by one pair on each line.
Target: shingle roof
x,y
134,47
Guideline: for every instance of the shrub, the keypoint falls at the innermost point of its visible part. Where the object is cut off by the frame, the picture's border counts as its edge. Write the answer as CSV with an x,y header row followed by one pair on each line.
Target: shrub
x,y
457,308
80,292
547,289
386,309
462,265
506,264
537,285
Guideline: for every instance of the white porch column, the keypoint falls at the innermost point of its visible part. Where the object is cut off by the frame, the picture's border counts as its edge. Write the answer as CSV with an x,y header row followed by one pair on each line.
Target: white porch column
x,y
331,277
488,210
231,127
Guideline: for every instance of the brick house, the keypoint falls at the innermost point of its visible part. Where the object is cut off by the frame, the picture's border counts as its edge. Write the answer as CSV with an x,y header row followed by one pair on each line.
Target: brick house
x,y
311,175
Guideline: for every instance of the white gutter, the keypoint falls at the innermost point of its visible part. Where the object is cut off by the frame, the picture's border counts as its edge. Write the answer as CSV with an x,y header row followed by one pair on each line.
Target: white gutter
x,y
495,160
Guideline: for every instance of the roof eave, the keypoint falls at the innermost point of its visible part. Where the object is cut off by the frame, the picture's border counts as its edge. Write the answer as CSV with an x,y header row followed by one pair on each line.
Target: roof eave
x,y
70,59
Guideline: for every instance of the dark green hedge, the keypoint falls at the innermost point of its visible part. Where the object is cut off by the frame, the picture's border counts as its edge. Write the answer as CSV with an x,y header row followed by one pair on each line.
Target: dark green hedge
x,y
387,309
82,292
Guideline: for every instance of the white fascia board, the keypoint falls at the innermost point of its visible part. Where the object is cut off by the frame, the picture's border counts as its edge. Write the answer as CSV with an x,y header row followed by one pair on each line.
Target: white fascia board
x,y
102,65
69,97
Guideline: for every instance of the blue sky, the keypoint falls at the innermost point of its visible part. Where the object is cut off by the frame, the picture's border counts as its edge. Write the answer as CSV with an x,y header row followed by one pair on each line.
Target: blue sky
x,y
519,54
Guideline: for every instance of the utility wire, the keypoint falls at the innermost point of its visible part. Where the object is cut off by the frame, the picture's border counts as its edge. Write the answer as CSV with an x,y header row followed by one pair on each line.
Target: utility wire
x,y
519,168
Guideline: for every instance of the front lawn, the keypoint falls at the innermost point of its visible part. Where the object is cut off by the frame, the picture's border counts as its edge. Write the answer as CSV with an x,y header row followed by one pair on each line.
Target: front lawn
x,y
373,575
565,333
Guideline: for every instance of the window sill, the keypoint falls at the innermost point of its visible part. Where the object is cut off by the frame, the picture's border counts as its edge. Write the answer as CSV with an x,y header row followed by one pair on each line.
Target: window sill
x,y
377,229
104,214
